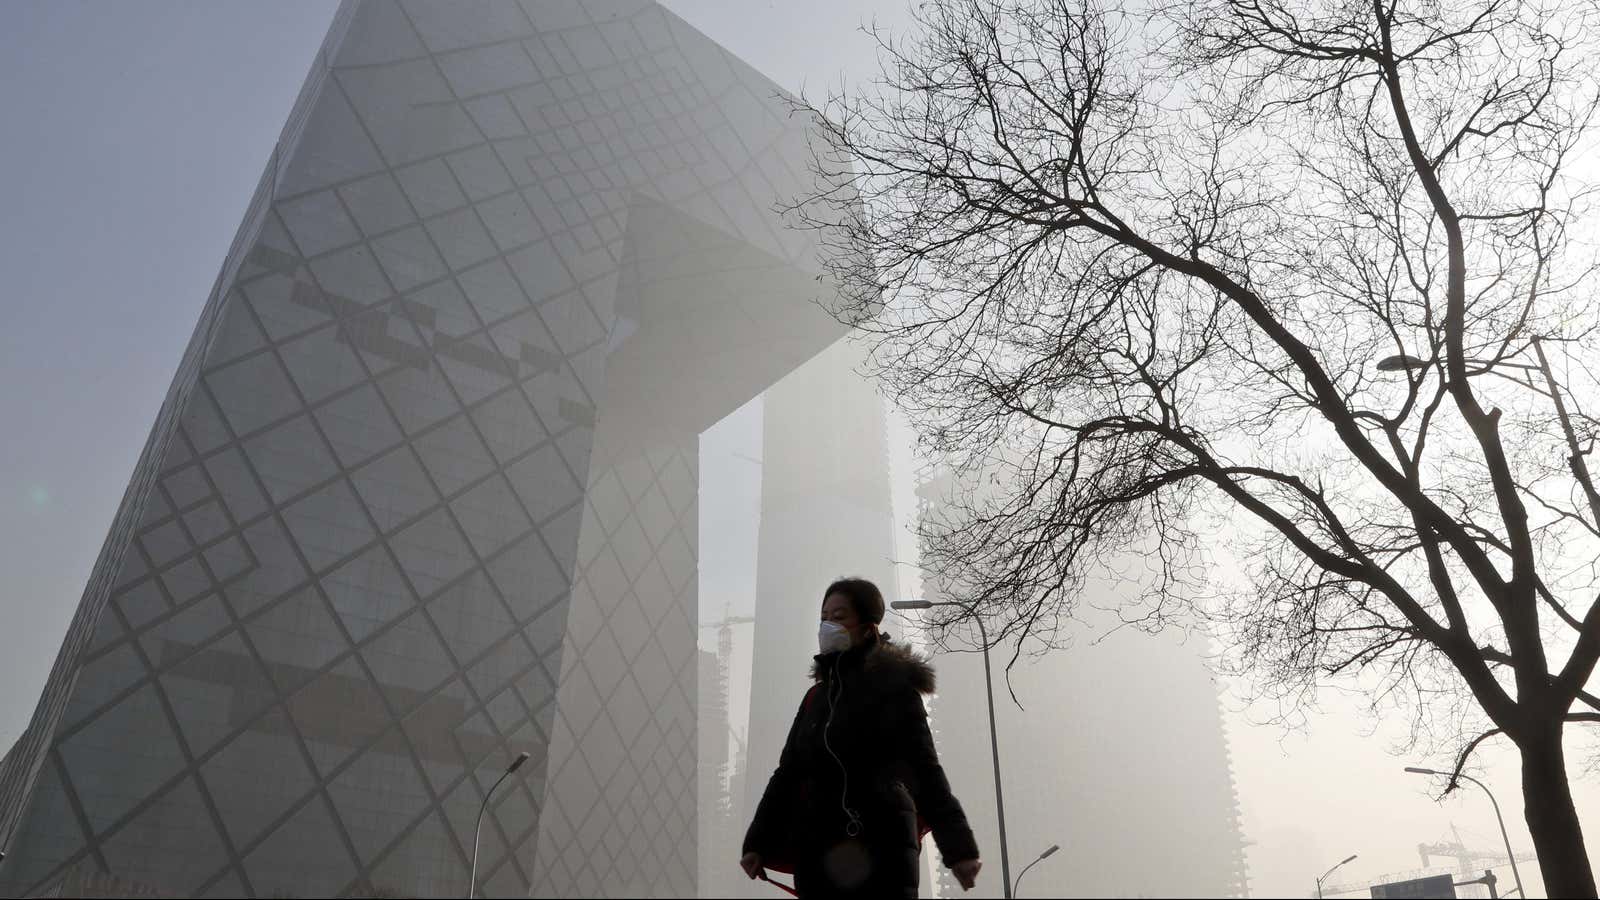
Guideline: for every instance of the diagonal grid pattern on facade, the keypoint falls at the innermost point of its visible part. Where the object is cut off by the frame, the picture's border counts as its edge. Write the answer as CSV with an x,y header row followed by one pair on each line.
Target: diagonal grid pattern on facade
x,y
342,589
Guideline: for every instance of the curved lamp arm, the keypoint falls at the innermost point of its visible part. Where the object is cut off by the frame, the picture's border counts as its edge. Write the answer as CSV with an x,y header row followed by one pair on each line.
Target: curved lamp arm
x,y
1018,886
477,832
1331,871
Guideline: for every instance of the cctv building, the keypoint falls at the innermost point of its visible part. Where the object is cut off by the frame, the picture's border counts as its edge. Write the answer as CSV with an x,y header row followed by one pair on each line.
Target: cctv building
x,y
422,495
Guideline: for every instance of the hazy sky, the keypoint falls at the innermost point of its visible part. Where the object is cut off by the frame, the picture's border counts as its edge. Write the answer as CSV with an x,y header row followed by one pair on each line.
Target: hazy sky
x,y
135,134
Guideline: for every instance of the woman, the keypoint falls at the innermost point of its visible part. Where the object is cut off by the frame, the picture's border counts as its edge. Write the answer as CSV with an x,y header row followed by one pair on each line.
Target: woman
x,y
859,768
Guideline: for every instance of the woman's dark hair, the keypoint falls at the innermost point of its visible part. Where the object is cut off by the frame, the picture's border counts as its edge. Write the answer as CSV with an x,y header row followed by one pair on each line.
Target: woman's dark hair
x,y
864,596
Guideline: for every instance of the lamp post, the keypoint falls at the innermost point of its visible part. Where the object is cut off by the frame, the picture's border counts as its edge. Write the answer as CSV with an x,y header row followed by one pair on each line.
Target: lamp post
x,y
1018,887
472,883
1511,857
994,740
1330,872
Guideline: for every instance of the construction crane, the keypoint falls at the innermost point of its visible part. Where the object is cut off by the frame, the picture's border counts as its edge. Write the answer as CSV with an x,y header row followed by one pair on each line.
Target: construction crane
x,y
725,634
727,622
1469,865
1467,861
725,644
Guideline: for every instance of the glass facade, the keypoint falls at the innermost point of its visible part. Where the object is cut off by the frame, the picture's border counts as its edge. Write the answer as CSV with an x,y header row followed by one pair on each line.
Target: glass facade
x,y
423,493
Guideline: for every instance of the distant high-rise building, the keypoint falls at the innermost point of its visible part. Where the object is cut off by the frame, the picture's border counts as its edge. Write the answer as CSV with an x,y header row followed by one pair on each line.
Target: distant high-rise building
x,y
738,789
713,771
1119,756
720,803
423,492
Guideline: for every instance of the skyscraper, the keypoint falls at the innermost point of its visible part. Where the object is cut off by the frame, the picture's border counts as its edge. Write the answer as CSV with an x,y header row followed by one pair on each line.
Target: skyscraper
x,y
1117,753
423,492
712,763
721,805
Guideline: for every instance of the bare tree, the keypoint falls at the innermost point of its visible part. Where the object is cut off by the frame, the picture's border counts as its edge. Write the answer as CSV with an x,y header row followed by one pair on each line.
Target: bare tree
x,y
1145,261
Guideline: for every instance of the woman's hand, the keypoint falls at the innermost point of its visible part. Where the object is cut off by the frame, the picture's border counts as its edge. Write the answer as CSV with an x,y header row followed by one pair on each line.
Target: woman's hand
x,y
751,864
966,872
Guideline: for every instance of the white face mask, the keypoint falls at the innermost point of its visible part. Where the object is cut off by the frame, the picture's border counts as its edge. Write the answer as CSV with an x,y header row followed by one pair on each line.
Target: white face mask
x,y
833,637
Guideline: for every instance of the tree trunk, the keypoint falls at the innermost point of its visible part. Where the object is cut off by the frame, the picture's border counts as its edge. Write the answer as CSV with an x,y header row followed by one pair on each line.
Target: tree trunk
x,y
1553,820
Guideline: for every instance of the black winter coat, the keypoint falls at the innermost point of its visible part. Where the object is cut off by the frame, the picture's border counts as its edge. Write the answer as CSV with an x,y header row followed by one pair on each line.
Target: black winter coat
x,y
875,760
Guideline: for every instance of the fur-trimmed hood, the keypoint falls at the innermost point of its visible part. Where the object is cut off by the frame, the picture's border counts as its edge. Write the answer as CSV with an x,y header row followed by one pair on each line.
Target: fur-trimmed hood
x,y
885,663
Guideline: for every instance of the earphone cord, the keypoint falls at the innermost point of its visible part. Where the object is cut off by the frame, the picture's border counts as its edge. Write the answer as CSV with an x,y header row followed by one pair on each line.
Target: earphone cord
x,y
852,828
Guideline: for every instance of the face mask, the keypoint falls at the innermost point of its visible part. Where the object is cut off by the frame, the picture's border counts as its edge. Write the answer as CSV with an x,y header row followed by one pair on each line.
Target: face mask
x,y
833,637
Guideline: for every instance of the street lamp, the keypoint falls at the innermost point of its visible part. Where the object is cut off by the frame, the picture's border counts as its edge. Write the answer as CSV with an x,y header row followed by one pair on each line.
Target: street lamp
x,y
1400,362
1575,459
472,884
994,740
1418,770
1018,887
1405,362
1330,872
